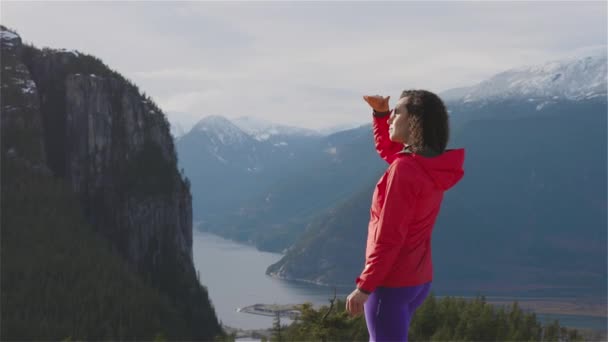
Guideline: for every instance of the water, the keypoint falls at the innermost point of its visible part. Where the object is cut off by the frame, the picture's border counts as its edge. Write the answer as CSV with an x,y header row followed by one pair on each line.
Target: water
x,y
575,321
235,276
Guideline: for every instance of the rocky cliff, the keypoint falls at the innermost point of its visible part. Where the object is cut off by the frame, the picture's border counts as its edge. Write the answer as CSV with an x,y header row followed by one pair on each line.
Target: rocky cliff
x,y
71,115
113,146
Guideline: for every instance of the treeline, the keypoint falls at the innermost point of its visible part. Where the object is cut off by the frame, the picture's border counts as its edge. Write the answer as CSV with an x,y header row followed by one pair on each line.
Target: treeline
x,y
62,281
445,319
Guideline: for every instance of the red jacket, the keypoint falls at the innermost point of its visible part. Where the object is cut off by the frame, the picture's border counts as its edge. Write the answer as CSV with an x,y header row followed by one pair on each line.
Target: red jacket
x,y
405,204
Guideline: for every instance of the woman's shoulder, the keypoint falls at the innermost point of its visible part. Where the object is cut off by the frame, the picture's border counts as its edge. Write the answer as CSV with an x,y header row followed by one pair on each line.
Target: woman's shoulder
x,y
408,170
404,166
403,161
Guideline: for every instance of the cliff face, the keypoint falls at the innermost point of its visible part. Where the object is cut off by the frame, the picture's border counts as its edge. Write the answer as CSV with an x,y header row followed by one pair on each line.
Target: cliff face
x,y
87,125
113,146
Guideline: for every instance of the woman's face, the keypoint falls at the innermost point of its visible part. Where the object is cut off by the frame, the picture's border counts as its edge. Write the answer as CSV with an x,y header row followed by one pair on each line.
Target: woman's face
x,y
398,123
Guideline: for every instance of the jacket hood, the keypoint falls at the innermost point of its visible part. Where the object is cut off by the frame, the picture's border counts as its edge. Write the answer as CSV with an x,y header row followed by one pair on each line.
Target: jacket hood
x,y
446,169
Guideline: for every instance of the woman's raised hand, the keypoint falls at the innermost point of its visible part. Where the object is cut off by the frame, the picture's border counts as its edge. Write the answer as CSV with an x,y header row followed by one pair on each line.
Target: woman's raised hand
x,y
377,102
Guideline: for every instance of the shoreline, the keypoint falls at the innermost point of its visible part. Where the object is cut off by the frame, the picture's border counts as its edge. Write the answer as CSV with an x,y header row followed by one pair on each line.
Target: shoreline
x,y
291,311
540,305
307,281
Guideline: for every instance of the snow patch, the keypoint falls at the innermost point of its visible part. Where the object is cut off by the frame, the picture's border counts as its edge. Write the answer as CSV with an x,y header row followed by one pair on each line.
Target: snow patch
x,y
29,87
572,79
262,137
73,52
262,130
540,106
221,131
7,37
221,159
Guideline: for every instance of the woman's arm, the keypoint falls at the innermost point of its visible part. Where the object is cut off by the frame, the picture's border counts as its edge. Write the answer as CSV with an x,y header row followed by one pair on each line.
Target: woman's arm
x,y
384,145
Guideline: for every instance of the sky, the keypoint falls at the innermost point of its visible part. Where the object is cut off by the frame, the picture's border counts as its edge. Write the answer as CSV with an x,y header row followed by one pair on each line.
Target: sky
x,y
306,64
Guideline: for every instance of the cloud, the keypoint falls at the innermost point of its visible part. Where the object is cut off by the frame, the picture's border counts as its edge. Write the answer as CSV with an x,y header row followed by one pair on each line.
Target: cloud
x,y
307,63
183,102
201,73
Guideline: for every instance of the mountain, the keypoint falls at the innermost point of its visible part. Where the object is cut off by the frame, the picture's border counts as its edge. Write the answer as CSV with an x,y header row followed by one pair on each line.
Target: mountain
x,y
273,218
221,162
264,130
569,79
329,251
527,90
242,175
244,189
226,165
529,217
97,220
340,127
227,143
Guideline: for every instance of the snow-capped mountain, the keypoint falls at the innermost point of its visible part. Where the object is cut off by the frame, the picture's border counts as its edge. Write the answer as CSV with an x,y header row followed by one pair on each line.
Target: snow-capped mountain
x,y
568,79
225,164
341,127
263,130
216,141
221,130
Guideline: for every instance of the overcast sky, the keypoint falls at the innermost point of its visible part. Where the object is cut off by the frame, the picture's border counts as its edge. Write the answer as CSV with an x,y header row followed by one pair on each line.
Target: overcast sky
x,y
306,63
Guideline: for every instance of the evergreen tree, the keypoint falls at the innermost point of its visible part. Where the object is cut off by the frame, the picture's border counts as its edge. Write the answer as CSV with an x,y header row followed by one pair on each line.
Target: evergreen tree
x,y
447,319
277,329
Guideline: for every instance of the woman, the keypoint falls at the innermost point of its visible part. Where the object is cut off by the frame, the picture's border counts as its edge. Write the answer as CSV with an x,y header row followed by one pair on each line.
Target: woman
x,y
398,268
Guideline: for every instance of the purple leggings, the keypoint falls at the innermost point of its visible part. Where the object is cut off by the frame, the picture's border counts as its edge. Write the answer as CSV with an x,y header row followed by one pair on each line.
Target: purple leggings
x,y
388,311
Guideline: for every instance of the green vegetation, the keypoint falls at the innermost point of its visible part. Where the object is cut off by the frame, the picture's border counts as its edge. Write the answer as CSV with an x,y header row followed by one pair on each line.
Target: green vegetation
x,y
446,319
149,173
60,280
20,109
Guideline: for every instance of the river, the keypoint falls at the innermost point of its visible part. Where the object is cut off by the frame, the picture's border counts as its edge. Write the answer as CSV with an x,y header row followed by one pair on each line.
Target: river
x,y
234,275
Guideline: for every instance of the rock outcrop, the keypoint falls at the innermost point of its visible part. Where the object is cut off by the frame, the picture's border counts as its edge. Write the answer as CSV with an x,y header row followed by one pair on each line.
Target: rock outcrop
x,y
70,114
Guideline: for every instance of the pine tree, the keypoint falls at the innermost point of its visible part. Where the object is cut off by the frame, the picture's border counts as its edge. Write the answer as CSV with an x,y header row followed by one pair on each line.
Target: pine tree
x,y
277,328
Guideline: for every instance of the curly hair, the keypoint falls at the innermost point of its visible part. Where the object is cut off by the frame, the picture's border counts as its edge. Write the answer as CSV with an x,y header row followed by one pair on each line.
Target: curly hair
x,y
428,120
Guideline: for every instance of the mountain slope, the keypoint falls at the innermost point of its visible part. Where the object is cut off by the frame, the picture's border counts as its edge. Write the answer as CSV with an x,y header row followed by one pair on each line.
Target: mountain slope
x,y
569,79
227,165
273,218
329,252
529,216
264,130
88,292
